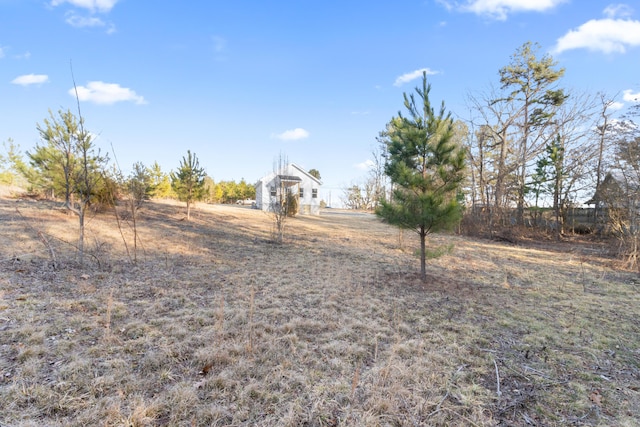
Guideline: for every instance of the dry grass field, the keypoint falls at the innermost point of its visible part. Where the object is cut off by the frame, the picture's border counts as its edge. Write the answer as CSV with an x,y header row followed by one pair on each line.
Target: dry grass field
x,y
217,326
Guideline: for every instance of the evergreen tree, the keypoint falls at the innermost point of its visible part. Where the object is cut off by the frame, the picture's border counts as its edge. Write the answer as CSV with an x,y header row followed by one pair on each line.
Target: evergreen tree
x,y
139,185
315,173
209,190
14,169
160,181
530,85
555,154
188,181
67,162
426,168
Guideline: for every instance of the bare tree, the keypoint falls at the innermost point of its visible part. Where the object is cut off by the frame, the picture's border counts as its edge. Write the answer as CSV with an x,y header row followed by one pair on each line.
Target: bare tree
x,y
603,131
139,190
372,190
89,174
377,178
574,154
494,160
283,197
622,195
356,197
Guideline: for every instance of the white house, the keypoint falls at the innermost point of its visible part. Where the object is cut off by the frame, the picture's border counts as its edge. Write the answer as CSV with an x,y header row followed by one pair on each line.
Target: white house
x,y
295,180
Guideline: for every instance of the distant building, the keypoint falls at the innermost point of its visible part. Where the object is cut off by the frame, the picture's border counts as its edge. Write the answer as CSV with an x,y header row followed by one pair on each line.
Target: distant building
x,y
295,181
610,193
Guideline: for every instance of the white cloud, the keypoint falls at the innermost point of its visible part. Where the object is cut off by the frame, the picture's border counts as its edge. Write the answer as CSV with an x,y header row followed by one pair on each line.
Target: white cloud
x,y
629,96
78,20
84,21
406,78
604,35
500,9
447,4
92,5
366,165
615,106
292,135
106,93
1,52
618,11
30,79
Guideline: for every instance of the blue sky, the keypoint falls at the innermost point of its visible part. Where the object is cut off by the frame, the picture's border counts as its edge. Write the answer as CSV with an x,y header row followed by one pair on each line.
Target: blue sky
x,y
240,82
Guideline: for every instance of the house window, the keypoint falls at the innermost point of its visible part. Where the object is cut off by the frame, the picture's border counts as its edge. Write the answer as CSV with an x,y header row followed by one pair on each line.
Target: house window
x,y
301,193
273,191
314,193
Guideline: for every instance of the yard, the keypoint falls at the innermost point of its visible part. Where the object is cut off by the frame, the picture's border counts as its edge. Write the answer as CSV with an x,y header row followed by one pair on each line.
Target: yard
x,y
216,325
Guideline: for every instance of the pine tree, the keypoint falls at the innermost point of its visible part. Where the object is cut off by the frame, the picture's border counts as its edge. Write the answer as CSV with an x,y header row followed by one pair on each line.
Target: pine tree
x,y
532,93
68,162
160,181
188,181
315,173
426,167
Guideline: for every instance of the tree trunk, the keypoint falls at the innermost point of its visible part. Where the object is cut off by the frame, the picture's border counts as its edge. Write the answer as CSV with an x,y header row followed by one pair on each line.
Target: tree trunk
x,y
496,213
423,254
523,166
81,212
135,233
602,133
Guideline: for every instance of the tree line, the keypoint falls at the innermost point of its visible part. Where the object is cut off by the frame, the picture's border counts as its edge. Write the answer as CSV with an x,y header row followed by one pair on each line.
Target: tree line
x,y
41,173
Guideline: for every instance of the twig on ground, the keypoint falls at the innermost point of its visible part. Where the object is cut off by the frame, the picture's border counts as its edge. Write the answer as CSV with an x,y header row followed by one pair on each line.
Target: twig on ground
x,y
461,416
536,372
354,382
498,392
528,419
435,411
438,406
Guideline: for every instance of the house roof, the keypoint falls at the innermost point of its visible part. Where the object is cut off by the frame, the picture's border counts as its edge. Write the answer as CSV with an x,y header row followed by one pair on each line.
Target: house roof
x,y
307,174
288,177
608,191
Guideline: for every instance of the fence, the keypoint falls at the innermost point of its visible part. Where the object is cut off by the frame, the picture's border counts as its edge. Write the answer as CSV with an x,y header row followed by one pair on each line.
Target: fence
x,y
580,220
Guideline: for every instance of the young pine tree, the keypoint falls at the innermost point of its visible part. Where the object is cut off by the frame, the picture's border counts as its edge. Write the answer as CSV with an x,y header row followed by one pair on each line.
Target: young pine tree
x,y
160,182
426,167
188,181
67,161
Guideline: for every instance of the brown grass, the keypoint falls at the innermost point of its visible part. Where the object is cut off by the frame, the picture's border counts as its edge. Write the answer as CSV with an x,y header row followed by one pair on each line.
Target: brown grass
x,y
216,326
